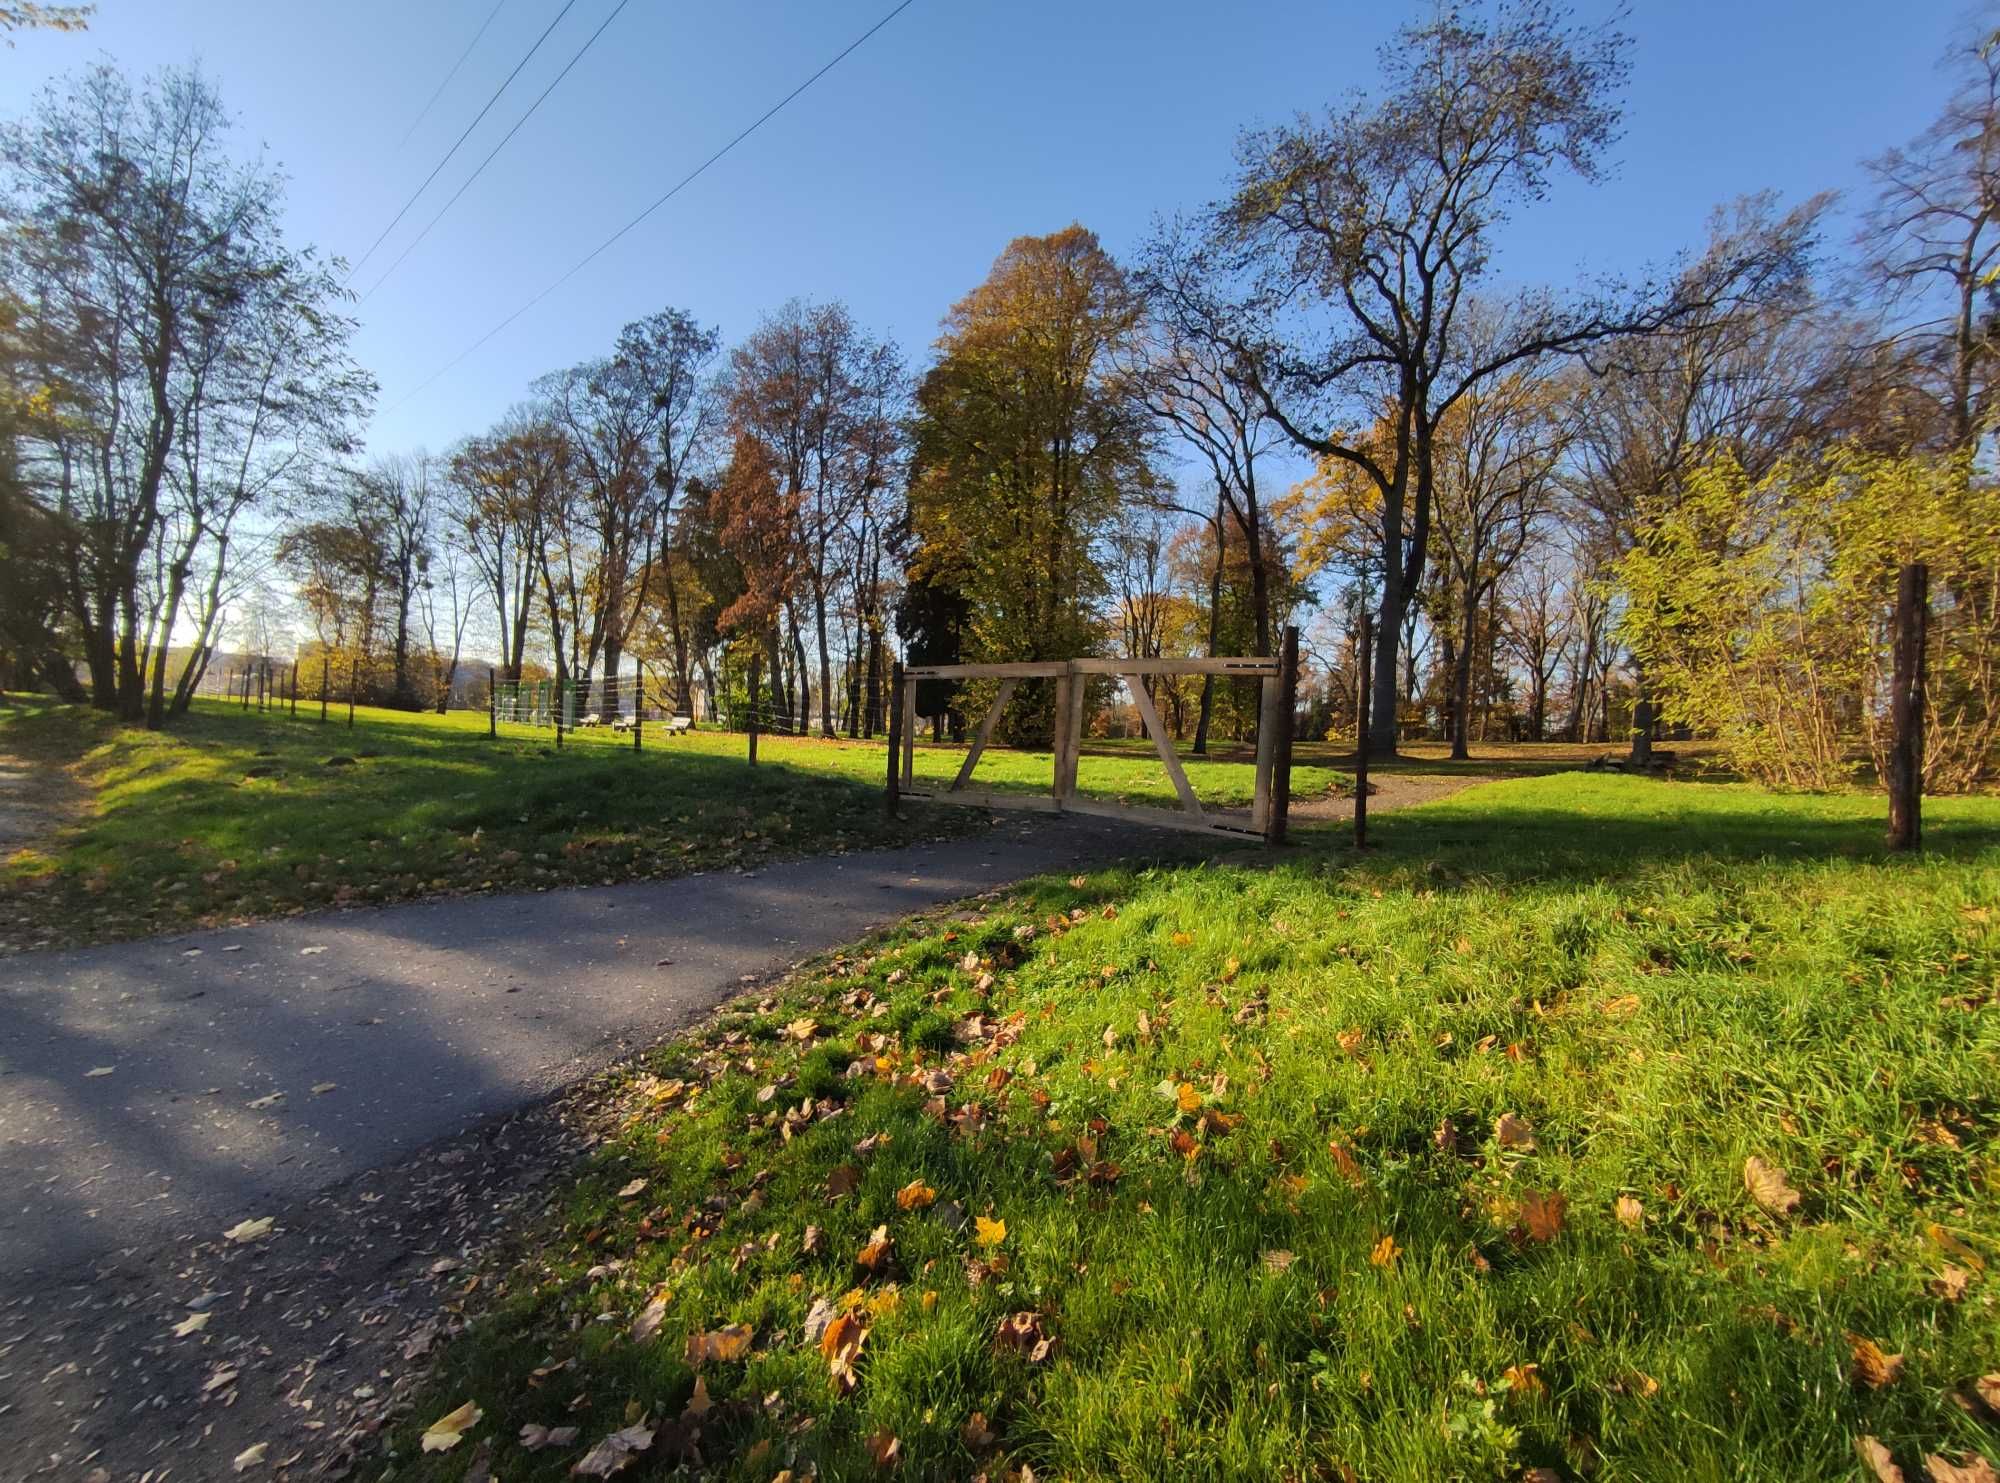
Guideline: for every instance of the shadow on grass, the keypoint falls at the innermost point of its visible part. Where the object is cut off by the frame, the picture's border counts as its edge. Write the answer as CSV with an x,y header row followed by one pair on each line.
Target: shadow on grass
x,y
1578,825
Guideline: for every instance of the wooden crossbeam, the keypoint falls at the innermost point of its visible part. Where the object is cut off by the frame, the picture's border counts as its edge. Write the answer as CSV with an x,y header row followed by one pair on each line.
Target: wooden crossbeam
x,y
986,726
1161,744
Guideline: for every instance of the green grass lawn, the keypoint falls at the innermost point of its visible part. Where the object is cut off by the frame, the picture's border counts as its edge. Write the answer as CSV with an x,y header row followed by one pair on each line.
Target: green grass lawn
x,y
1621,1129
234,814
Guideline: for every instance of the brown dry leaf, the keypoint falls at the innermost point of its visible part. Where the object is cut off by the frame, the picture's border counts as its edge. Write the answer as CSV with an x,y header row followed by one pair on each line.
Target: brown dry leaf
x,y
1872,1368
844,1180
535,1437
886,1448
1543,1213
1631,1214
1385,1252
1023,1333
1950,1284
250,1230
649,1319
1877,1459
1514,1132
811,1241
976,1434
250,1457
1987,1388
616,1452
1768,1186
1351,1039
194,1323
1346,1163
1952,1246
1526,1380
877,1253
915,1195
1972,1468
1277,1263
723,1344
449,1429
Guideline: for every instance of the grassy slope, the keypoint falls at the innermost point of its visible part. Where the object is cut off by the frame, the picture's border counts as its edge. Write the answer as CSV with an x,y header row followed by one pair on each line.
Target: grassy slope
x,y
184,836
1661,981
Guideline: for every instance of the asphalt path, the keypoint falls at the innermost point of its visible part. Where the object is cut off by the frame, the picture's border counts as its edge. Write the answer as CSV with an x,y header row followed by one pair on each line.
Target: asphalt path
x,y
159,1090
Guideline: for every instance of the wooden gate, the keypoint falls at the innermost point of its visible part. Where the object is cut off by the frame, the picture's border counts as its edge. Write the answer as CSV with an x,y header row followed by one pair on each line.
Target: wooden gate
x,y
1278,701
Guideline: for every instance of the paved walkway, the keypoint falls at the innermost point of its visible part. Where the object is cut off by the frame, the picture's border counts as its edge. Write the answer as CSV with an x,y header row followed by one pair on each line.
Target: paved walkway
x,y
160,1090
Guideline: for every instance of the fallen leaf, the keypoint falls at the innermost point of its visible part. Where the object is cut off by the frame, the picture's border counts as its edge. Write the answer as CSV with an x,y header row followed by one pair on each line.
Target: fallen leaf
x,y
1277,1263
1023,1333
1187,1098
194,1323
1972,1468
976,1434
1950,1284
878,1251
106,1071
633,1190
915,1195
988,1232
1768,1187
649,1319
261,1103
250,1230
1514,1132
320,1089
615,1453
886,1448
311,952
250,1457
534,1437
1526,1380
840,1345
1987,1388
449,1429
723,1344
1385,1252
1952,1246
1631,1214
699,1404
1543,1214
1872,1368
844,1180
1877,1459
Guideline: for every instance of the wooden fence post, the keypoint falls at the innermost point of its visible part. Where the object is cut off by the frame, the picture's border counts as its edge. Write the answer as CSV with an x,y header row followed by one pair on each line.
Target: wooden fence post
x,y
755,677
1361,688
1279,808
492,704
295,689
246,687
1906,709
896,682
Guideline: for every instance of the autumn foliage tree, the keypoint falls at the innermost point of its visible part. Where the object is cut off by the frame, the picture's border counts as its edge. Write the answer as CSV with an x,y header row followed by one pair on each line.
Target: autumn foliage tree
x,y
1029,436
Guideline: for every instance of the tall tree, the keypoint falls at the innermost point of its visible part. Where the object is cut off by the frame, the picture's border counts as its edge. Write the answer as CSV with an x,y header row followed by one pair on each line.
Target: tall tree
x,y
1029,437
1357,241
822,397
147,260
635,422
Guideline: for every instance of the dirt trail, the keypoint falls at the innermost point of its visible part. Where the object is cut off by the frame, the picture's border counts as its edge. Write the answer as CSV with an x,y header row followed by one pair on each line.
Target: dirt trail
x,y
1387,792
36,799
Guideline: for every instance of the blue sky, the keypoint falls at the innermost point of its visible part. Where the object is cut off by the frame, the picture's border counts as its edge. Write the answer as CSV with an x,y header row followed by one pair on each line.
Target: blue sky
x,y
897,179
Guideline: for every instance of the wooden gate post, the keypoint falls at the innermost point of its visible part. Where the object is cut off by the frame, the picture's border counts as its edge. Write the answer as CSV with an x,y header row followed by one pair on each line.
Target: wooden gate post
x,y
756,675
1906,709
1280,806
1361,688
893,797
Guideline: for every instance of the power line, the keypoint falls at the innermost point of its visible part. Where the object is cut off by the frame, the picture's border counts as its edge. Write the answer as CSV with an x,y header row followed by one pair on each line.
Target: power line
x,y
602,26
426,111
682,184
461,139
